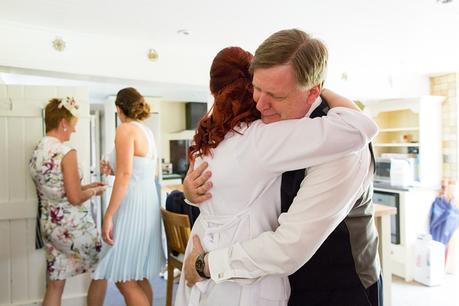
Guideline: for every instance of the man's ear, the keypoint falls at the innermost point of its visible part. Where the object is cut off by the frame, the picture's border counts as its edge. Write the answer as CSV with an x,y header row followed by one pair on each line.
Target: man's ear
x,y
314,92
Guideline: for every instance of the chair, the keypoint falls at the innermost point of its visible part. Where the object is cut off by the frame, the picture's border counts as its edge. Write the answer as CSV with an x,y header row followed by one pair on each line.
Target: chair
x,y
177,227
175,202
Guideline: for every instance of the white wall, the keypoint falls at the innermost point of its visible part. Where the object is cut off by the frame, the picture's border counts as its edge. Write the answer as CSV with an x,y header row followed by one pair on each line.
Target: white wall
x,y
362,84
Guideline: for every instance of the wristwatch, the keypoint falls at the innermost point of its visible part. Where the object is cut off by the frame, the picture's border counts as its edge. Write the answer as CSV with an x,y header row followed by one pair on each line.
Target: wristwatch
x,y
200,264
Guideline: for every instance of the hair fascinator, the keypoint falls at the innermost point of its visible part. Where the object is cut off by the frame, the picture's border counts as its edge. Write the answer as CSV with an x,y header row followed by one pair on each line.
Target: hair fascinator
x,y
70,104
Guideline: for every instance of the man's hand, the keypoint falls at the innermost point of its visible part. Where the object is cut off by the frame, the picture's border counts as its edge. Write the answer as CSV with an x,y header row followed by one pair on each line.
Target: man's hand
x,y
196,184
191,276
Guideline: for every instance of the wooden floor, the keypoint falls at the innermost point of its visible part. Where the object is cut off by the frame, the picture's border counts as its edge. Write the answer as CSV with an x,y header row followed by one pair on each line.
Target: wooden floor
x,y
403,294
415,294
114,297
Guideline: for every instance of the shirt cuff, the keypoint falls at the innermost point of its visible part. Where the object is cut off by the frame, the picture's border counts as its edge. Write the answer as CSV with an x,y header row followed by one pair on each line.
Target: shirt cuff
x,y
219,265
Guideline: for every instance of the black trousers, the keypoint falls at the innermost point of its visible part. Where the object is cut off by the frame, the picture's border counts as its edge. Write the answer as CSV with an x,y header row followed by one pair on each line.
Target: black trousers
x,y
375,293
371,296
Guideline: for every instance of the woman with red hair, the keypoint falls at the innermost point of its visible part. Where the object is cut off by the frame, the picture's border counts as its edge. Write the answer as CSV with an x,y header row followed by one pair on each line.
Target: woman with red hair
x,y
247,158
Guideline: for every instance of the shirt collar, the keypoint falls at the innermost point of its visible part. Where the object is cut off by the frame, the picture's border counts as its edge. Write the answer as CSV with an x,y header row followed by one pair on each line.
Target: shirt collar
x,y
314,106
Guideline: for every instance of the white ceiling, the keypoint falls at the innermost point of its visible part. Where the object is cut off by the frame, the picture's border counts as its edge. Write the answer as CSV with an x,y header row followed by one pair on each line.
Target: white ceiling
x,y
388,37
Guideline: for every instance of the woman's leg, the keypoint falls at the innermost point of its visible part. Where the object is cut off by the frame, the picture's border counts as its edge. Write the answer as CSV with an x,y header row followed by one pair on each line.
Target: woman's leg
x,y
53,295
96,292
146,287
133,293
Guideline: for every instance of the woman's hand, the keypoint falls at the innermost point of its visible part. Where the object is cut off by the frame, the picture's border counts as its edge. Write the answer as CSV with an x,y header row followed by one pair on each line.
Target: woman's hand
x,y
196,184
100,190
105,168
94,185
107,230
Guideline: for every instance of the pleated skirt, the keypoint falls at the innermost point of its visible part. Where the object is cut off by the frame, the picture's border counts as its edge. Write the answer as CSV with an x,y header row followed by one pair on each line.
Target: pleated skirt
x,y
137,250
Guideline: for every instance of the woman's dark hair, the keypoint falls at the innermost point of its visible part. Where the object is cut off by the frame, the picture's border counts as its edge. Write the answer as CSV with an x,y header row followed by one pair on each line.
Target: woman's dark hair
x,y
231,87
132,104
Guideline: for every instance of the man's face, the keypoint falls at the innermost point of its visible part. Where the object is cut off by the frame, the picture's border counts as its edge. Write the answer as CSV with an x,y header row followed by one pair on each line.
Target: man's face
x,y
277,94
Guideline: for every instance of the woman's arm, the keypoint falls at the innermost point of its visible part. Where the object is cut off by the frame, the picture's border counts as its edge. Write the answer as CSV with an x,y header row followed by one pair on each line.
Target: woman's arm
x,y
72,186
335,100
300,143
124,146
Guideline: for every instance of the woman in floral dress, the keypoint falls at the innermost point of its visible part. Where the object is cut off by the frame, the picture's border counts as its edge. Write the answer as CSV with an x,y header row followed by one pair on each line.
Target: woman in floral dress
x,y
70,237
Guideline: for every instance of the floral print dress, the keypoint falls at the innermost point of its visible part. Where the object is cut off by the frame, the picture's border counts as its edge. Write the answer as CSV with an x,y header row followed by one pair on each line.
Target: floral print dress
x,y
71,240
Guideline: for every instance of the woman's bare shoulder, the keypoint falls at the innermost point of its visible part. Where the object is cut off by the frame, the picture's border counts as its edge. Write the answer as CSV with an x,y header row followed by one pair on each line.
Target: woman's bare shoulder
x,y
125,129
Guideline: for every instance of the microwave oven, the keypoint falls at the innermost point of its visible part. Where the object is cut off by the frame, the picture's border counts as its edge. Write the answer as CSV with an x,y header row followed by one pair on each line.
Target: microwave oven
x,y
397,171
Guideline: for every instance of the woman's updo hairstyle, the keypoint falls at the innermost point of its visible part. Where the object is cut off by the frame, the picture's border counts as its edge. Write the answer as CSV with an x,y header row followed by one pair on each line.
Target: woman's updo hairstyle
x,y
54,114
132,104
231,86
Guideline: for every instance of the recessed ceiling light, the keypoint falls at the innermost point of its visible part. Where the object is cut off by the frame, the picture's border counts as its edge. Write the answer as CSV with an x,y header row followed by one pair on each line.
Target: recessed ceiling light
x,y
444,1
183,32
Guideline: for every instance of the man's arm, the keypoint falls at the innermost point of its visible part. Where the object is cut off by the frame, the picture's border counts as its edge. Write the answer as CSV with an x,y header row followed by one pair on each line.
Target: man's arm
x,y
328,193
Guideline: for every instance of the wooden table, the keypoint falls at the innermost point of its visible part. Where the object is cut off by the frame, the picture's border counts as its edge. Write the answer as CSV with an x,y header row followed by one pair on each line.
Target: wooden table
x,y
382,219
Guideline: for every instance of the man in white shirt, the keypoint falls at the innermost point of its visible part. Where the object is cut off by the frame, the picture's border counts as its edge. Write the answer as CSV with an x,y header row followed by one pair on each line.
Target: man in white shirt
x,y
326,240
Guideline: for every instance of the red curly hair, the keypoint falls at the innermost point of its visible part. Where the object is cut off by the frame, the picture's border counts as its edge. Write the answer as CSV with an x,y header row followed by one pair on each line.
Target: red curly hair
x,y
231,86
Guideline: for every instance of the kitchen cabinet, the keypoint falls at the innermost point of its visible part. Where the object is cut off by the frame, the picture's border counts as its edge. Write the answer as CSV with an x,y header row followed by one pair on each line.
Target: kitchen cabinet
x,y
410,127
412,219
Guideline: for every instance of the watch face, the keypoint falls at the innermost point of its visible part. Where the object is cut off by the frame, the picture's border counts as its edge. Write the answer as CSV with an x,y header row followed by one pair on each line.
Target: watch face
x,y
200,264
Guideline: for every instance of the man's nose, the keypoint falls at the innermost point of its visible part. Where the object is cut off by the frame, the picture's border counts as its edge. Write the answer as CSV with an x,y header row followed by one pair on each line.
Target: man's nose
x,y
262,102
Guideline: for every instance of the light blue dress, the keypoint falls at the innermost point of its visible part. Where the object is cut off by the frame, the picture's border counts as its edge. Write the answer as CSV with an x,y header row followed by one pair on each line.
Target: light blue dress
x,y
137,250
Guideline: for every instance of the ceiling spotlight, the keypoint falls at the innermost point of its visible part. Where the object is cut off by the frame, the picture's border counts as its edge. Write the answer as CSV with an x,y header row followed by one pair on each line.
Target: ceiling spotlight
x,y
152,55
344,76
58,44
444,1
183,32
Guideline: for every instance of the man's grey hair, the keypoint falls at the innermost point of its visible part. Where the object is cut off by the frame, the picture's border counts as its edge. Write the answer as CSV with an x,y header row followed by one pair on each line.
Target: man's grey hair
x,y
308,56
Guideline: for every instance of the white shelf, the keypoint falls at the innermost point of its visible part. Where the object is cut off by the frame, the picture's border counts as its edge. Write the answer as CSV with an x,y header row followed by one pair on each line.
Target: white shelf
x,y
420,118
397,144
399,129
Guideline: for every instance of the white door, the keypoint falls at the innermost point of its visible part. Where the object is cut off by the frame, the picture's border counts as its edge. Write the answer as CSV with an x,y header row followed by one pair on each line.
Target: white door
x,y
22,268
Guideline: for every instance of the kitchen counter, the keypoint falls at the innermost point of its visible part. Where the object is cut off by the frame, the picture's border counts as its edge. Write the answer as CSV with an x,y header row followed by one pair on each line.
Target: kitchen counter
x,y
388,186
382,220
169,188
383,210
172,176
